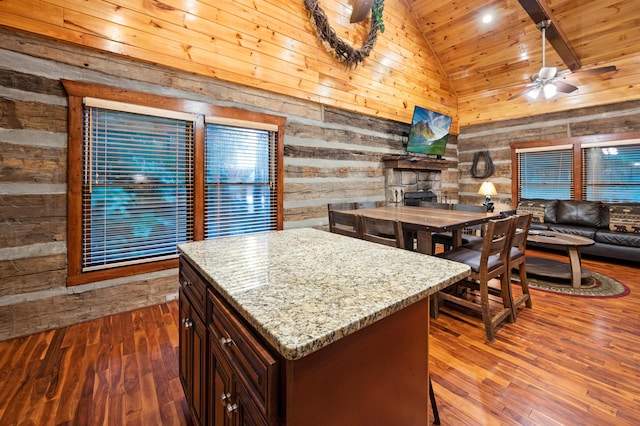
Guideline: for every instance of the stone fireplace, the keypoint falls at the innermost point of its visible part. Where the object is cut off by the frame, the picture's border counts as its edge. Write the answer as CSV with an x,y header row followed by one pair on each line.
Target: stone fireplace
x,y
410,178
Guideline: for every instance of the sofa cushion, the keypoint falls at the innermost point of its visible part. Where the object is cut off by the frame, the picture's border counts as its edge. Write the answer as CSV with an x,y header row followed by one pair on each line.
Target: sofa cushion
x,y
535,207
584,213
618,239
583,231
624,218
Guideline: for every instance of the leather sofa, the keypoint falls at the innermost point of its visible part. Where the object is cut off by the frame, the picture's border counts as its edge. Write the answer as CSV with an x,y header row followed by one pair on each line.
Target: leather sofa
x,y
615,227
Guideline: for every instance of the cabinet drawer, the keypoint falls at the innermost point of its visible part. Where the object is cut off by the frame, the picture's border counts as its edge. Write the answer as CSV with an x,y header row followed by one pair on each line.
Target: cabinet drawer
x,y
194,286
250,361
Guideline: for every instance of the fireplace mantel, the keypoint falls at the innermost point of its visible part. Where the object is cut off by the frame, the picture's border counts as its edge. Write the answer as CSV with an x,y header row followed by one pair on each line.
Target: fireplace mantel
x,y
413,162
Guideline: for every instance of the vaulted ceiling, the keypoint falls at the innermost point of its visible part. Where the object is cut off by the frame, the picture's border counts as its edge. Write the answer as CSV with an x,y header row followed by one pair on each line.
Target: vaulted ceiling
x,y
494,61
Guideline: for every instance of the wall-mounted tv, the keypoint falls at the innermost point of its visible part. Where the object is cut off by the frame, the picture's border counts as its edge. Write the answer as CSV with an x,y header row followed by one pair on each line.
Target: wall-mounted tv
x,y
429,132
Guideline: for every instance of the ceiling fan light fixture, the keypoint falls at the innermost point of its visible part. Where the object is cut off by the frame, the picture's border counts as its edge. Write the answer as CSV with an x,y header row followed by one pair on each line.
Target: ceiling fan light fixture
x,y
550,90
533,93
547,73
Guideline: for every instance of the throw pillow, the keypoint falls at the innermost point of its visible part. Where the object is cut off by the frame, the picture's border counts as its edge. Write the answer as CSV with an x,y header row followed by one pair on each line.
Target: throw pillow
x,y
536,208
581,213
623,218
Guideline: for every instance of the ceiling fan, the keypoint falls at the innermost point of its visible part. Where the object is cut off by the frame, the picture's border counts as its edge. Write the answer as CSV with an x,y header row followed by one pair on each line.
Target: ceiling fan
x,y
547,80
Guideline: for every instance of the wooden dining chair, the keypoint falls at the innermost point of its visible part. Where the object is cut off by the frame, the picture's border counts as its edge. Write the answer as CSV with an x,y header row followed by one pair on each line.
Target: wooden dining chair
x,y
434,205
370,204
469,235
435,238
486,264
517,259
381,231
344,224
342,206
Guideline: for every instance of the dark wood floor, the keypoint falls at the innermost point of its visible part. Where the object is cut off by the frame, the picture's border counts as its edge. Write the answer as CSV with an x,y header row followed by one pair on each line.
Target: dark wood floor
x,y
567,361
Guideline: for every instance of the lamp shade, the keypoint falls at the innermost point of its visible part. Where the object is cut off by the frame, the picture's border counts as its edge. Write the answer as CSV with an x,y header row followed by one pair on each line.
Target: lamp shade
x,y
487,188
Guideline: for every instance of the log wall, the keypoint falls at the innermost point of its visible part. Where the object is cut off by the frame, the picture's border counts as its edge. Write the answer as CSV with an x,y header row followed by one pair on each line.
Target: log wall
x,y
496,137
330,156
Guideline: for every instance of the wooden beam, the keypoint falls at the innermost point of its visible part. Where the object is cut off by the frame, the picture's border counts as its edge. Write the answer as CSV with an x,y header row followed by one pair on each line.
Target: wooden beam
x,y
538,11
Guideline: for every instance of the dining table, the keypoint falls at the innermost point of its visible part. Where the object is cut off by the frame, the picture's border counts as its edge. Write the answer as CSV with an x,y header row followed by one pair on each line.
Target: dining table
x,y
423,222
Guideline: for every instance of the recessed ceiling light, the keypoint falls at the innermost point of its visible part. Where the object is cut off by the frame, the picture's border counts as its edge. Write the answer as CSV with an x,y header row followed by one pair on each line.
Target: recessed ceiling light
x,y
487,18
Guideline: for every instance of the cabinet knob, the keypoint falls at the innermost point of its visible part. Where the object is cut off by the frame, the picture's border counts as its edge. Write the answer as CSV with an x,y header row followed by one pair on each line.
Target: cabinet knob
x,y
187,283
187,323
224,397
231,408
226,341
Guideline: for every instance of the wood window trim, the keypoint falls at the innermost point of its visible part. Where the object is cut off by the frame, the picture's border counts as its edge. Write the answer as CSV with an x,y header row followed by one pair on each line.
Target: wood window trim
x,y
577,143
76,91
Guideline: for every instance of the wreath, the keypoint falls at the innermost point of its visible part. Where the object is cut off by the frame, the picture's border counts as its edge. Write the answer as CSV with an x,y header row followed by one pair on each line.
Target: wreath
x,y
334,44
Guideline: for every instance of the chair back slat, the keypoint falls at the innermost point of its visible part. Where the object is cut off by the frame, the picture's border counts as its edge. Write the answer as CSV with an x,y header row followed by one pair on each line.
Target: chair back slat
x,y
381,231
497,239
342,206
470,208
343,223
433,205
521,227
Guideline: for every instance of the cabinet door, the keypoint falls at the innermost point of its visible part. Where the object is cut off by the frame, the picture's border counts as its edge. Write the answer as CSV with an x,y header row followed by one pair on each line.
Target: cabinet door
x,y
221,395
185,350
246,412
192,358
229,402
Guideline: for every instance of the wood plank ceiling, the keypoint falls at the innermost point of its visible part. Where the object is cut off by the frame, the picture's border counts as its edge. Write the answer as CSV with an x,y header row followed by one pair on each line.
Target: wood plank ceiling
x,y
488,63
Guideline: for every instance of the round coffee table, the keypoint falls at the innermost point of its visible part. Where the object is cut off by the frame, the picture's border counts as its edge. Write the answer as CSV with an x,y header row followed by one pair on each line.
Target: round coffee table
x,y
555,268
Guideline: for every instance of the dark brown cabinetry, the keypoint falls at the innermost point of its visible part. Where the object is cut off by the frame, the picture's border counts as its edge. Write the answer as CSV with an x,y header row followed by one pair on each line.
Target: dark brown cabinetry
x,y
229,377
193,351
355,380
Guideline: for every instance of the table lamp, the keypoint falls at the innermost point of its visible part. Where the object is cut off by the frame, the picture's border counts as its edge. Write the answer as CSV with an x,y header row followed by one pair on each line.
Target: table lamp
x,y
488,189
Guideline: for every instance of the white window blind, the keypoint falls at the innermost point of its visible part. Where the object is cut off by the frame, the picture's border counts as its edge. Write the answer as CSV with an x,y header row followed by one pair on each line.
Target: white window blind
x,y
611,173
546,174
240,180
137,187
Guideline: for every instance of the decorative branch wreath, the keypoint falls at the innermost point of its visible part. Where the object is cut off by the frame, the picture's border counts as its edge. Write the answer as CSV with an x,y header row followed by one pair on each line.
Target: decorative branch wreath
x,y
334,44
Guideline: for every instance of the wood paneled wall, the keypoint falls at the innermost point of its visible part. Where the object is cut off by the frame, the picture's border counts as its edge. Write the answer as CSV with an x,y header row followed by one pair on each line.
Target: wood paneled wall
x,y
496,137
266,44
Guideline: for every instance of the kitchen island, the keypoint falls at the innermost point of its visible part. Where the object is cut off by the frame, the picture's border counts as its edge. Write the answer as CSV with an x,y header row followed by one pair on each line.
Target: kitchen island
x,y
305,327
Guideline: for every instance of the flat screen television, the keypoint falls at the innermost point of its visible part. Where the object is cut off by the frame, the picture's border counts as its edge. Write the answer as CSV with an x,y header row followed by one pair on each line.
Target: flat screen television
x,y
429,132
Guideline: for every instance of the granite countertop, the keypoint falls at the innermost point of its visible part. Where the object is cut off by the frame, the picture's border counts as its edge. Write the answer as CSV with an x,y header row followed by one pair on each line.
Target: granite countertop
x,y
303,289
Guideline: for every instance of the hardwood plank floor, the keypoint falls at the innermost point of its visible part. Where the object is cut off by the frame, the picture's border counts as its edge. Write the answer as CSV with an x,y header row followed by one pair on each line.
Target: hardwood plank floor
x,y
567,361
117,370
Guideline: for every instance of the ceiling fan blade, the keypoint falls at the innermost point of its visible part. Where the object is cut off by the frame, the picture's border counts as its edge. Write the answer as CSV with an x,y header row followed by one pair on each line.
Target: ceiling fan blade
x,y
520,93
565,87
361,9
587,73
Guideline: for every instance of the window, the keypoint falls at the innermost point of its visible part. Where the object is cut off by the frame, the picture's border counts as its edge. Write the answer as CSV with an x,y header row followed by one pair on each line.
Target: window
x,y
611,172
598,167
545,173
147,173
137,185
239,180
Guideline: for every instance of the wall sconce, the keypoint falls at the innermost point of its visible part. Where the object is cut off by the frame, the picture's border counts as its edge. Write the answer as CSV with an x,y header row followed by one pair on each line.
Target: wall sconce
x,y
488,189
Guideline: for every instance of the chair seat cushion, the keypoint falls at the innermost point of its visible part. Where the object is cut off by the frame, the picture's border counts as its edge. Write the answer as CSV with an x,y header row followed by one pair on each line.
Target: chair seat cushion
x,y
516,253
472,258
